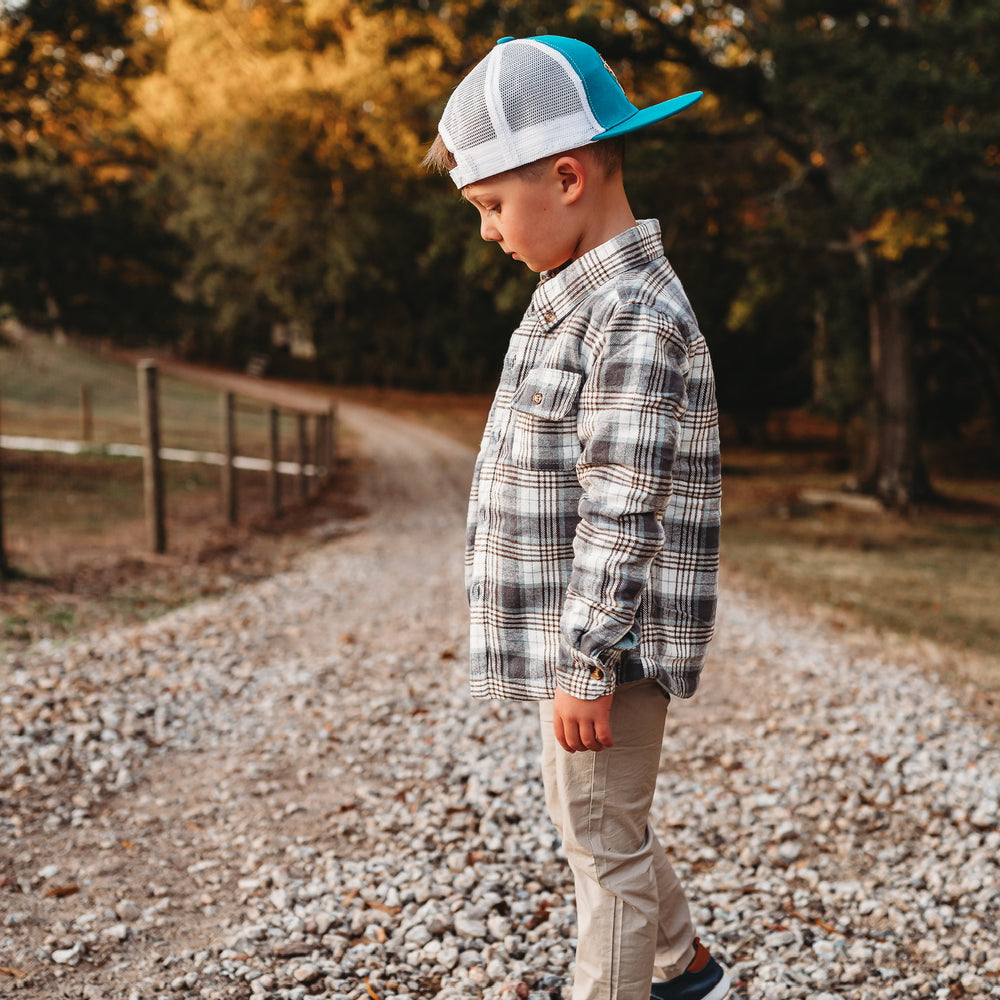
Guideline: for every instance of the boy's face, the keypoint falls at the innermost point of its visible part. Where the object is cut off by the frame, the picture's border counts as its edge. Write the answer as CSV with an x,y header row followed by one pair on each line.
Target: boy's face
x,y
527,216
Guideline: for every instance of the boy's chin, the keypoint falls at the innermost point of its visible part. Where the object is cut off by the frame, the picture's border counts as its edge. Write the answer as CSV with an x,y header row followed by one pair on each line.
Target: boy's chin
x,y
520,260
532,265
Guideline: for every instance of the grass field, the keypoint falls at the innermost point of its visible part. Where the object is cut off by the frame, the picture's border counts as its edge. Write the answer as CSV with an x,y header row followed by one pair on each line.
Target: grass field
x,y
934,573
41,385
788,527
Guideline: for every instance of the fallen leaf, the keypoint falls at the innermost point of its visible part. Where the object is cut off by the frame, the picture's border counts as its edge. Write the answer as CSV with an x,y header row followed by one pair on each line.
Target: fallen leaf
x,y
58,891
371,992
383,907
16,973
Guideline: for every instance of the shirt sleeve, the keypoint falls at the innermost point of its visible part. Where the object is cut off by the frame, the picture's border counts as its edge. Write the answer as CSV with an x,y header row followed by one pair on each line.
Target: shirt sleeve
x,y
631,405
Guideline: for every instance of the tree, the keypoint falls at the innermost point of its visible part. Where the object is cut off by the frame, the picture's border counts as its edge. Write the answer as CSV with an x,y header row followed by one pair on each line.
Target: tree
x,y
883,117
292,136
77,245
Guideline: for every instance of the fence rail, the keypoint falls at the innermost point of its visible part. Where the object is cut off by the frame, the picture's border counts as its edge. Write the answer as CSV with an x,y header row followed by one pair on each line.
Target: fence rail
x,y
58,446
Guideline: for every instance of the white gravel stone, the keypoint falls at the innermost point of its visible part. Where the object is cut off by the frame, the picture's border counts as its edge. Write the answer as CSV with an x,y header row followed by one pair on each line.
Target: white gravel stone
x,y
67,956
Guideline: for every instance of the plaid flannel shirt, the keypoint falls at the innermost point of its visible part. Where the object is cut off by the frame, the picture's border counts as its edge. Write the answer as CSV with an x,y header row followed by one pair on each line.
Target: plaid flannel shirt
x,y
594,511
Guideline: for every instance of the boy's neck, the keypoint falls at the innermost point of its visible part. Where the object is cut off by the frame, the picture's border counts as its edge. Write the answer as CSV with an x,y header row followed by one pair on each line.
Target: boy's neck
x,y
604,213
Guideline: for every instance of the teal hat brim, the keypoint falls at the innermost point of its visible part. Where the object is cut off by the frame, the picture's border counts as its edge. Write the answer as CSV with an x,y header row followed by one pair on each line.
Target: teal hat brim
x,y
649,116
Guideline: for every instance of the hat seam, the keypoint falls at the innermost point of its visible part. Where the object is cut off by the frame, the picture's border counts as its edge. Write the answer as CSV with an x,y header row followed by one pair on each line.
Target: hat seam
x,y
579,83
494,104
589,89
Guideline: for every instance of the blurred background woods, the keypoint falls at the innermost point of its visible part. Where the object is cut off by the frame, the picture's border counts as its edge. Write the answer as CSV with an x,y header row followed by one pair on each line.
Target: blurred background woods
x,y
236,178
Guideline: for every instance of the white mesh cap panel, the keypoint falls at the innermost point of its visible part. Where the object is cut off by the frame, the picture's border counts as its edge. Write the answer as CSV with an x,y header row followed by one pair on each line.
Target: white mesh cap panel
x,y
466,122
534,88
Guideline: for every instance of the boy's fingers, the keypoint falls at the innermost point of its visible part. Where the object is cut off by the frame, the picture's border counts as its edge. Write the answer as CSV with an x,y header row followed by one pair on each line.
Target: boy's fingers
x,y
603,733
587,736
582,725
569,738
560,730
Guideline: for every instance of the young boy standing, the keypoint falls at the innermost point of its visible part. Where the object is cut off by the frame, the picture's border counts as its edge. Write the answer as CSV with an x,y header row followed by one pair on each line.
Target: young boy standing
x,y
593,530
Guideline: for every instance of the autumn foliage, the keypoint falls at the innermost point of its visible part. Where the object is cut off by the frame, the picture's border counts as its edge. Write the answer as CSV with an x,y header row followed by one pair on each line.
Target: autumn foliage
x,y
241,177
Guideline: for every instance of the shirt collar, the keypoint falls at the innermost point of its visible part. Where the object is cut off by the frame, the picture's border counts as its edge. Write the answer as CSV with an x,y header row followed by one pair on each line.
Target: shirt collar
x,y
559,291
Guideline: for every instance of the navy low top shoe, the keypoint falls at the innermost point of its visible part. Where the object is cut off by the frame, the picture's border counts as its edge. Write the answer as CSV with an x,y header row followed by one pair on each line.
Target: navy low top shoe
x,y
704,979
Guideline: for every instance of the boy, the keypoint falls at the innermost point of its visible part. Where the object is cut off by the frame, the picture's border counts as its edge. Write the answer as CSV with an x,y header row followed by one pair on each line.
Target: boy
x,y
592,549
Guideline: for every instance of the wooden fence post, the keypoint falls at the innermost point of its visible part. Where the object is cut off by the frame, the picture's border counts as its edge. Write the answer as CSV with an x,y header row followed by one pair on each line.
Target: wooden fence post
x,y
3,551
324,442
86,413
152,478
229,497
273,477
331,445
319,439
303,457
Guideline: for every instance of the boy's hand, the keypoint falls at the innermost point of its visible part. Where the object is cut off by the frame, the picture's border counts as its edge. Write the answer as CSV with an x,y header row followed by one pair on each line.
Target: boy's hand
x,y
581,724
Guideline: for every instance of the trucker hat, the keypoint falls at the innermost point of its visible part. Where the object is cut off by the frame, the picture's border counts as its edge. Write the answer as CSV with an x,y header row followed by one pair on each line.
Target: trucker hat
x,y
532,97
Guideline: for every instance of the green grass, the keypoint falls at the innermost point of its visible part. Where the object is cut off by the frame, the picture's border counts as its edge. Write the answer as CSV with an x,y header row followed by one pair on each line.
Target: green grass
x,y
933,574
52,499
40,396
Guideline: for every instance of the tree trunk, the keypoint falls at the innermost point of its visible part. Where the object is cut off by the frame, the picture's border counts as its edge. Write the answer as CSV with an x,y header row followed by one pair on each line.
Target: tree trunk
x,y
894,471
820,357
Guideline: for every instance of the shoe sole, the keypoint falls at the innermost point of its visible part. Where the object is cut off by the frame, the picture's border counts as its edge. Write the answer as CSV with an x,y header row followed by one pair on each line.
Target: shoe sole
x,y
721,988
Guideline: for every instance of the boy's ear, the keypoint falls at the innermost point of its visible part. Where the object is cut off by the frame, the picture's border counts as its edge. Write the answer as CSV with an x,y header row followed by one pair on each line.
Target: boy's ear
x,y
571,174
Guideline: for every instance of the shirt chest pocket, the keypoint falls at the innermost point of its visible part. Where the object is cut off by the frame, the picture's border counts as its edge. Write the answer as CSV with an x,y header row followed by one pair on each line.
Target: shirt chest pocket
x,y
542,432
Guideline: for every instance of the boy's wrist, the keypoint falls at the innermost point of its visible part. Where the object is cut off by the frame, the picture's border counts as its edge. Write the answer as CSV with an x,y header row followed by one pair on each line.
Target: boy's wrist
x,y
588,677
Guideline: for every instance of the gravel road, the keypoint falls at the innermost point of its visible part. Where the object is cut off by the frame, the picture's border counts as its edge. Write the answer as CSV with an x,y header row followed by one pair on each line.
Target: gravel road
x,y
287,793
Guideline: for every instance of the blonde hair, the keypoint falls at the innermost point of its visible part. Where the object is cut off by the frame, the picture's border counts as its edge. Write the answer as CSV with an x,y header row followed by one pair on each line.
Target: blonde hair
x,y
439,157
608,154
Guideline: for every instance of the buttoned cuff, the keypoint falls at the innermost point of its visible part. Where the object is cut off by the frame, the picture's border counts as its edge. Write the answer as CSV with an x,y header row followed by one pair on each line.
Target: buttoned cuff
x,y
586,677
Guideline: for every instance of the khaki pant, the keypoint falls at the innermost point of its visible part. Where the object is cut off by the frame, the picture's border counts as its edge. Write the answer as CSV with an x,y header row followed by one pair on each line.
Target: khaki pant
x,y
632,913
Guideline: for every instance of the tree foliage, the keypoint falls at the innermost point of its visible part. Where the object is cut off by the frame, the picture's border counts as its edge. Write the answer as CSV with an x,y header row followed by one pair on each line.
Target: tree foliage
x,y
875,134
216,172
75,234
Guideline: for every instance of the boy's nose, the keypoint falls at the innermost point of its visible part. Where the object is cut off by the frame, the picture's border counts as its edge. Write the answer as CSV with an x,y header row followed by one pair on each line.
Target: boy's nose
x,y
489,232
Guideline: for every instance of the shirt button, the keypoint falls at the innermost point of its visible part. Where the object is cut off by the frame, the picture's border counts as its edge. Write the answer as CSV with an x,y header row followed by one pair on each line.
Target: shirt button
x,y
548,315
597,674
537,398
